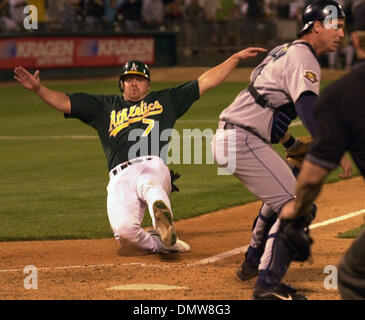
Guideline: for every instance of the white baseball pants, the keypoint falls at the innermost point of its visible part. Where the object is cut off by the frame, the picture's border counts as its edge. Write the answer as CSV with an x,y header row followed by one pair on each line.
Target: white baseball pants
x,y
130,192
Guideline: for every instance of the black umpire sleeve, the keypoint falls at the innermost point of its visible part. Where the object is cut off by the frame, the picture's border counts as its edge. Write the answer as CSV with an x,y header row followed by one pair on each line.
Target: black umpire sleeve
x,y
351,271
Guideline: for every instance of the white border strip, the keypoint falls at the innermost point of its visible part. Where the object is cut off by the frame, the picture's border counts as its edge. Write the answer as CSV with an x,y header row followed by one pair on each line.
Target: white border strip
x,y
200,262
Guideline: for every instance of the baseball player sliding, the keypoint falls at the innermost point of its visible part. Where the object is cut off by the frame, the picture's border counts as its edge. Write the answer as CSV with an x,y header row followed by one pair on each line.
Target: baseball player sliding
x,y
139,178
284,85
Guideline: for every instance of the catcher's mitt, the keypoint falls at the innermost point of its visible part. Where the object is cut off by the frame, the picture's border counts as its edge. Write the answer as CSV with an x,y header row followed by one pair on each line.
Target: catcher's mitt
x,y
295,154
295,235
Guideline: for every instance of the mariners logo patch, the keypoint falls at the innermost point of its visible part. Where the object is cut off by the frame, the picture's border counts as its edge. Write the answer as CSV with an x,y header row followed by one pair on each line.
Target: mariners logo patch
x,y
311,76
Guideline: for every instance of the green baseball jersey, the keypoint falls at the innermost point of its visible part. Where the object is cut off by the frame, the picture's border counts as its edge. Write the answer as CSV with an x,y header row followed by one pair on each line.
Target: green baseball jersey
x,y
132,129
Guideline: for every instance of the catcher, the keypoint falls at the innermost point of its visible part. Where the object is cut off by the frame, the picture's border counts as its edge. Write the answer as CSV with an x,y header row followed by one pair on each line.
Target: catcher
x,y
294,235
283,86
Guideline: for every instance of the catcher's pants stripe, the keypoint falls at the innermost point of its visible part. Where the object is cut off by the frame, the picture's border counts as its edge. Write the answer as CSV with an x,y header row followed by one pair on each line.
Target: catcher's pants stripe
x,y
130,192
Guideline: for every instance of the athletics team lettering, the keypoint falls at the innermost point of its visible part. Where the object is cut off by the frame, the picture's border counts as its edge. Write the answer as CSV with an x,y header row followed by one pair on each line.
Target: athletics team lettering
x,y
121,119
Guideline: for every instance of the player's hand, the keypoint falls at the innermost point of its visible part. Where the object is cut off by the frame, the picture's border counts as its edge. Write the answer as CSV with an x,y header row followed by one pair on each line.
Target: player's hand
x,y
290,212
287,211
250,52
346,165
26,79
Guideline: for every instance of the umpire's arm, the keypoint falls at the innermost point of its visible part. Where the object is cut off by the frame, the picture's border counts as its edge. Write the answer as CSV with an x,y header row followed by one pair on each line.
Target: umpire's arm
x,y
58,100
213,77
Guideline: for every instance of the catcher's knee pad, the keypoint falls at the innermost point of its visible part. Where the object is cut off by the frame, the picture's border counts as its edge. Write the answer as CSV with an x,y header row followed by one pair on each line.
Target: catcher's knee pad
x,y
269,218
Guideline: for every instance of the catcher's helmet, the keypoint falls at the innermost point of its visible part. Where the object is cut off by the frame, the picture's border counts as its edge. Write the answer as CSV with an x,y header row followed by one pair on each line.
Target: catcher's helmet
x,y
319,11
134,67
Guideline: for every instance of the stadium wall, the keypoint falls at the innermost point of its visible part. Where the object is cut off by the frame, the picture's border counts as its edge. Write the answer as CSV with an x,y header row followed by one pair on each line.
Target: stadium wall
x,y
84,55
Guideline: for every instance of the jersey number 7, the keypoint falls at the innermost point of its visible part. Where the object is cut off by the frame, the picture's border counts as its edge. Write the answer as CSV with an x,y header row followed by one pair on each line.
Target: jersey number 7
x,y
151,124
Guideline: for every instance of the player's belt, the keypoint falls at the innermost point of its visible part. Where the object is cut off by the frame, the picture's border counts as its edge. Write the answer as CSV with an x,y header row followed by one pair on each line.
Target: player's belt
x,y
229,126
128,163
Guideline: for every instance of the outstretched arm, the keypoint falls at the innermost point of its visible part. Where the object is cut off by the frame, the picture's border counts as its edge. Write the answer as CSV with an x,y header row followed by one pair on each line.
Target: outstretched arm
x,y
58,100
213,77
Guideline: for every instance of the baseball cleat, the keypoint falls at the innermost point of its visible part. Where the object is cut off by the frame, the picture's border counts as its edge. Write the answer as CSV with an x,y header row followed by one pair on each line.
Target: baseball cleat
x,y
164,224
247,271
179,247
276,292
287,288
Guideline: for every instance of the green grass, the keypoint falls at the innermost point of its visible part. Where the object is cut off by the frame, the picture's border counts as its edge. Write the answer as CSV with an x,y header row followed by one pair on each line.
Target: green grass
x,y
351,234
56,188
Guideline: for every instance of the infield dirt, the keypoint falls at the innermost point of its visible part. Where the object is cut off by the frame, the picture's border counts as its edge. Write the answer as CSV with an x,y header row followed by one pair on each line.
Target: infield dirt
x,y
85,269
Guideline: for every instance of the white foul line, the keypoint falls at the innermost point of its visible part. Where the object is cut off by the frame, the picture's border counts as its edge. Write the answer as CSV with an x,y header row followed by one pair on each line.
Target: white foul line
x,y
220,256
200,262
95,266
344,217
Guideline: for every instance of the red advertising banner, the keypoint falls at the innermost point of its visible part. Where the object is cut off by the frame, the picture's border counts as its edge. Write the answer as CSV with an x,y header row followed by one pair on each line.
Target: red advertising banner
x,y
53,52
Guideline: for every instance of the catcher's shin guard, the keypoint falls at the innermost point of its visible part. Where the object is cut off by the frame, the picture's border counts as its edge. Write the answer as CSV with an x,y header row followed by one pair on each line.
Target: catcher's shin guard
x,y
260,230
276,258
